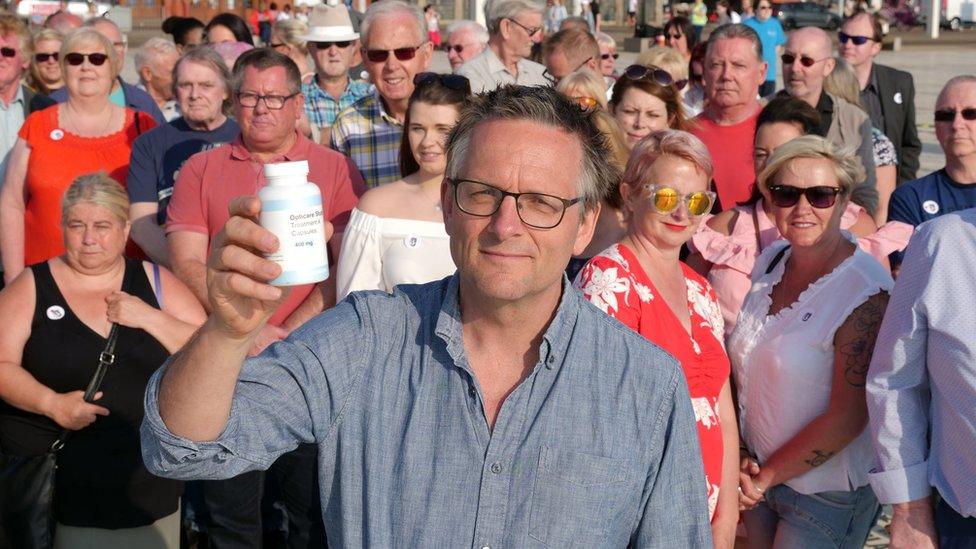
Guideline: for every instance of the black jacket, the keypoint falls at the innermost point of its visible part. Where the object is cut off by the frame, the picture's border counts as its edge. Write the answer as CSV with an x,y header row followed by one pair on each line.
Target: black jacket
x,y
899,118
34,100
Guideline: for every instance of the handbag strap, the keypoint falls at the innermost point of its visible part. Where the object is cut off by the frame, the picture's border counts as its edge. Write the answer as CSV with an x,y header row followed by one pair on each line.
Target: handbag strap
x,y
105,359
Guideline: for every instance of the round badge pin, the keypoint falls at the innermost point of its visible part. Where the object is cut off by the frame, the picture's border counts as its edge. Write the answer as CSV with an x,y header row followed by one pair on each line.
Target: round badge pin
x,y
930,207
57,134
897,98
55,312
411,241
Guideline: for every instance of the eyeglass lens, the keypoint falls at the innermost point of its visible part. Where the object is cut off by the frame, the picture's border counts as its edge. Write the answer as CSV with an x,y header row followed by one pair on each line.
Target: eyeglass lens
x,y
8,52
787,196
789,58
326,45
949,115
858,40
667,199
43,57
75,58
380,56
537,210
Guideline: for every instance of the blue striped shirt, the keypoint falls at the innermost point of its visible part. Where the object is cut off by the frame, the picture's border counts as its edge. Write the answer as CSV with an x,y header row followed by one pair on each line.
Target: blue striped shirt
x,y
596,447
922,381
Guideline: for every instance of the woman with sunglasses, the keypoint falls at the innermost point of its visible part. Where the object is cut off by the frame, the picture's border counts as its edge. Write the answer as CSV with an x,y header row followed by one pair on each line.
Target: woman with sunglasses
x,y
644,100
726,246
87,133
681,35
396,233
45,71
641,282
800,356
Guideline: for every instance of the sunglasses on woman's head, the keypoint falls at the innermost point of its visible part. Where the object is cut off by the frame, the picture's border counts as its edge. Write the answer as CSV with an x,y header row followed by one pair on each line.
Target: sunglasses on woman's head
x,y
667,199
453,81
43,57
787,196
657,74
402,54
75,59
949,115
858,40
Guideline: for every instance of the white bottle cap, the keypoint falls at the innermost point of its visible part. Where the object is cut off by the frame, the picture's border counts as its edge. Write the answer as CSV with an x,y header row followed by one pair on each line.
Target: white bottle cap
x,y
286,169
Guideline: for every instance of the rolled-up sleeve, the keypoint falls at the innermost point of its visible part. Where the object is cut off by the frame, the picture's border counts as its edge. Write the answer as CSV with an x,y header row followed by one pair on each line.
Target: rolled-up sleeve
x,y
898,387
292,393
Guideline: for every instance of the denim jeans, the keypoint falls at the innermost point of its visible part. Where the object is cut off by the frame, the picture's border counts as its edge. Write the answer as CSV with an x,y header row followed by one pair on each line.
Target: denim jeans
x,y
955,531
788,519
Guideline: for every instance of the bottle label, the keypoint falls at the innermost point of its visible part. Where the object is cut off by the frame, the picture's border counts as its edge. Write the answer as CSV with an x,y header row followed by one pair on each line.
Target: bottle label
x,y
301,234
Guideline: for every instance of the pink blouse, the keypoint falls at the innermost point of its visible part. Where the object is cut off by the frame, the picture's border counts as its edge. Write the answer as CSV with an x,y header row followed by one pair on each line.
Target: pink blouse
x,y
734,256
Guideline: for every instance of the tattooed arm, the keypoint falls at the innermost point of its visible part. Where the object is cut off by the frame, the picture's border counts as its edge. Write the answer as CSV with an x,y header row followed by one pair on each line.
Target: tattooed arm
x,y
846,415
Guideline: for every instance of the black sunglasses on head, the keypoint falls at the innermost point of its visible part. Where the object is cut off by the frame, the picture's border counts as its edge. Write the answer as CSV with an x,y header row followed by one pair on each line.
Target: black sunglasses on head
x,y
453,81
43,57
949,115
858,40
74,59
820,197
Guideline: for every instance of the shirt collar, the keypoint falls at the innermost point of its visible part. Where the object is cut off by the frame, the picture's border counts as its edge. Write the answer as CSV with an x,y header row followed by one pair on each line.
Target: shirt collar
x,y
555,340
872,80
18,97
825,104
298,151
381,109
495,64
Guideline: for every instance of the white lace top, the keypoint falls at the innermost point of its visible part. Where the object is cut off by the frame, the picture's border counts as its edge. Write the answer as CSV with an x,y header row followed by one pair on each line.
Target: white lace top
x,y
783,363
378,253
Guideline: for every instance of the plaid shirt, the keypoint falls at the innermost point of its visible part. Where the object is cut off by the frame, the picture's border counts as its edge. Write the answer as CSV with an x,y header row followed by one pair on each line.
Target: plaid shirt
x,y
322,109
371,137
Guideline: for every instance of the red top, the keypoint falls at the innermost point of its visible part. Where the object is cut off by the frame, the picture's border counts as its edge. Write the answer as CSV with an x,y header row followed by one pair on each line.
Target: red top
x,y
731,150
209,180
615,282
56,159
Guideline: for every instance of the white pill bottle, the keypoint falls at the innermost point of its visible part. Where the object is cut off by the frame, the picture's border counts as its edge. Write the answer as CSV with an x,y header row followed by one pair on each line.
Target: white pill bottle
x,y
291,208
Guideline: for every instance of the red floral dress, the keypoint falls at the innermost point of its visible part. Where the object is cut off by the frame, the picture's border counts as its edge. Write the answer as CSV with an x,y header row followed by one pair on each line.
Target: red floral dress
x,y
615,282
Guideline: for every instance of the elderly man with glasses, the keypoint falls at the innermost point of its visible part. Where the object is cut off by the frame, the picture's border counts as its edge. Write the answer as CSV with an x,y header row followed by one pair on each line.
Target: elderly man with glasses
x,y
465,41
773,39
395,50
267,104
466,412
514,26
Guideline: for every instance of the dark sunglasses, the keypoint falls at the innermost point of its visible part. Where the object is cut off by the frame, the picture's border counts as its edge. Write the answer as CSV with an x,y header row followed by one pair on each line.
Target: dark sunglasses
x,y
8,52
789,58
453,81
858,40
43,57
402,54
75,59
609,55
949,115
658,75
343,44
786,196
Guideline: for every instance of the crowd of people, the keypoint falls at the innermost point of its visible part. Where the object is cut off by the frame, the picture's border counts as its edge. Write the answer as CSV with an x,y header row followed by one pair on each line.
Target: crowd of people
x,y
711,310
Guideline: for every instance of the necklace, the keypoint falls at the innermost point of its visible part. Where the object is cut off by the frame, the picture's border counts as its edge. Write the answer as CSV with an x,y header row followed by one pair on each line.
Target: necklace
x,y
73,119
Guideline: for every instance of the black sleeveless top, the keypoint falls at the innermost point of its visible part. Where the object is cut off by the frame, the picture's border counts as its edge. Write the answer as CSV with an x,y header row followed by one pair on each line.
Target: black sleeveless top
x,y
101,481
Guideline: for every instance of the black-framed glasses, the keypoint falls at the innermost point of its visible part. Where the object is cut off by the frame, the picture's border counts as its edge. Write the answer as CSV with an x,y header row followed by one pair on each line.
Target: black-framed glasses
x,y
74,58
666,199
531,31
949,115
660,76
789,58
858,40
455,82
272,102
8,52
341,44
43,57
537,210
820,197
402,54
606,56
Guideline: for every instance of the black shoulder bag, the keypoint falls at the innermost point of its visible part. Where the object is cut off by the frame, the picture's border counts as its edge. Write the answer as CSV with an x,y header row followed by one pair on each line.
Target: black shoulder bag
x,y
27,482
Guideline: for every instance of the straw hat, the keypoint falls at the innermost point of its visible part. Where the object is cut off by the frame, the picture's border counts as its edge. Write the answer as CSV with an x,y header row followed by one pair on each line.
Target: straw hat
x,y
330,24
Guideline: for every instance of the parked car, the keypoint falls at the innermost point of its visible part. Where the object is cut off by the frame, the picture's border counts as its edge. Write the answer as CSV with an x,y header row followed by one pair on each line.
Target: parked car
x,y
794,15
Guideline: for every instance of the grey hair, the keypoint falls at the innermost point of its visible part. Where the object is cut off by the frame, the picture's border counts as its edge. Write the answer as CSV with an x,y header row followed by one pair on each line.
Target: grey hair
x,y
955,81
605,39
847,166
545,106
389,8
208,57
263,59
736,30
477,29
291,31
152,50
497,10
89,36
98,189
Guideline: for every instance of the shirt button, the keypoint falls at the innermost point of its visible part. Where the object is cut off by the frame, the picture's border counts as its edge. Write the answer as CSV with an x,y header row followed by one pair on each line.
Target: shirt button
x,y
471,392
551,359
496,467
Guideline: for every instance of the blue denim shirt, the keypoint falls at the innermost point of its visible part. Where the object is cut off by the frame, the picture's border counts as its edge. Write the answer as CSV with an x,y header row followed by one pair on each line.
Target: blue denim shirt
x,y
596,447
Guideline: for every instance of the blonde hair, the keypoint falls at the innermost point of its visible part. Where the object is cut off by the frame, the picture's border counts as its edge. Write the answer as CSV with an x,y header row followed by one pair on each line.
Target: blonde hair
x,y
665,58
98,189
587,81
34,77
11,24
291,31
847,167
88,35
842,82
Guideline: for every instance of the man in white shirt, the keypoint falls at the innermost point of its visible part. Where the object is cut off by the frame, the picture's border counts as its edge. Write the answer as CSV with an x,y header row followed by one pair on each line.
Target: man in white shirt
x,y
513,27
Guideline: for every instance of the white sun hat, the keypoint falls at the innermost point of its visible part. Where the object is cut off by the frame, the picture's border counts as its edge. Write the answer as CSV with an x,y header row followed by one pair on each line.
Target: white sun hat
x,y
330,24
